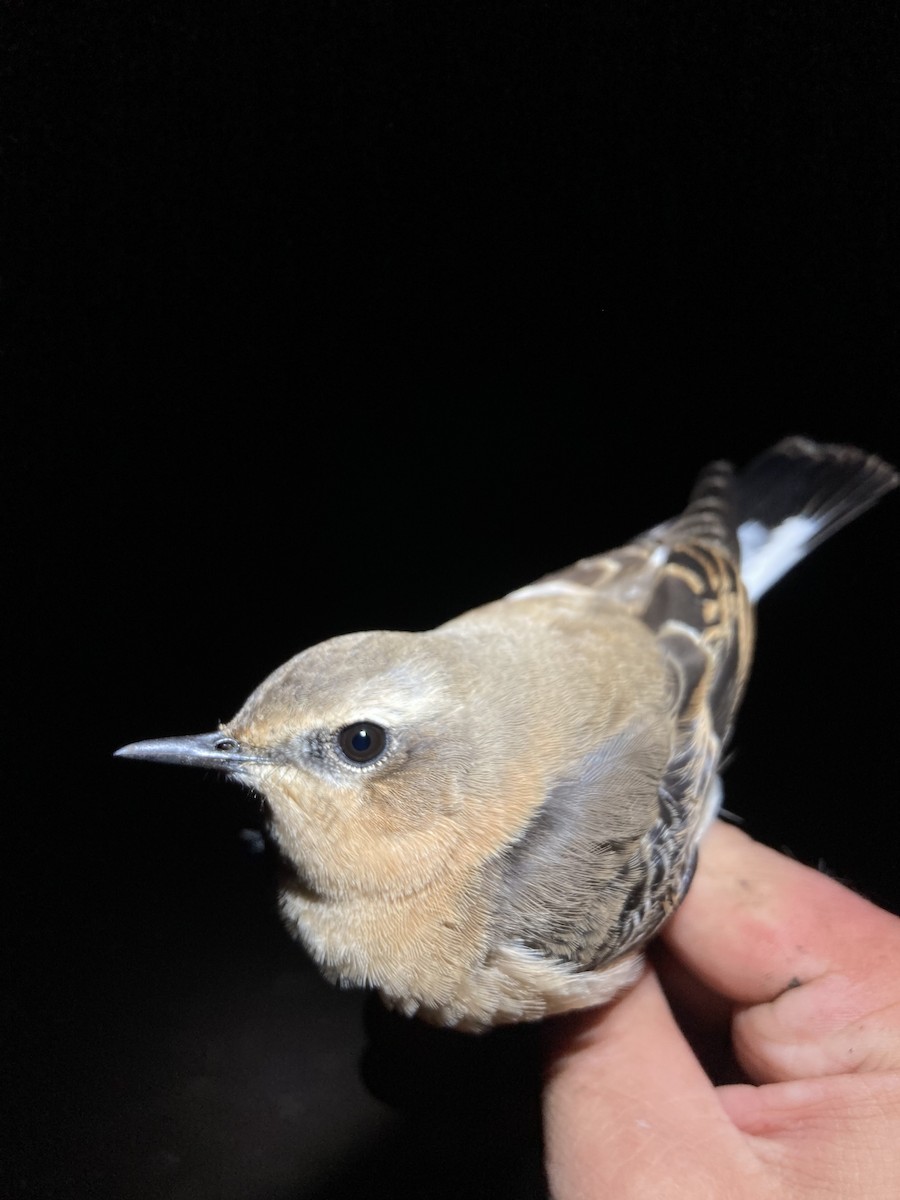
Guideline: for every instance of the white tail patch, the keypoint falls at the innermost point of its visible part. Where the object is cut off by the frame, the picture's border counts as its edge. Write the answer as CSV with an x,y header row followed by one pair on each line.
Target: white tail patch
x,y
767,554
552,587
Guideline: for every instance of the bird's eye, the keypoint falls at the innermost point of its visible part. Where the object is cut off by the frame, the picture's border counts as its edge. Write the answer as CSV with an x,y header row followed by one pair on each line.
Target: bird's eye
x,y
362,742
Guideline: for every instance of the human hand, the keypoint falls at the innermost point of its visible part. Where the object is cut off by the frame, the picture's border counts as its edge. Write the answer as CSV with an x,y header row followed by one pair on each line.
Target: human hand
x,y
807,975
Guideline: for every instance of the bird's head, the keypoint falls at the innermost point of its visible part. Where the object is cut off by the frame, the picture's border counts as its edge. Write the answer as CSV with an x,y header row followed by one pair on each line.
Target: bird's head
x,y
361,747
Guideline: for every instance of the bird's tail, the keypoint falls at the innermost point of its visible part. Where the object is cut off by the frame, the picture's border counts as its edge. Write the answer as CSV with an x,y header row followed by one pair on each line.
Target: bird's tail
x,y
794,496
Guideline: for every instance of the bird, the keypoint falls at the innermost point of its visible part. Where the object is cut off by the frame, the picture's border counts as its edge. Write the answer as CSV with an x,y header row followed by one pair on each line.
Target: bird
x,y
488,821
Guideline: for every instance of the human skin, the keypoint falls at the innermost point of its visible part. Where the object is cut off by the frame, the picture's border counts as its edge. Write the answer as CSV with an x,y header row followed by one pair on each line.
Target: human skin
x,y
805,975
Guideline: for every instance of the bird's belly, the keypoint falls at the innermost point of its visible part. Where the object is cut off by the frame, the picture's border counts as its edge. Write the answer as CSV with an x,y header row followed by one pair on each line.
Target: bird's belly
x,y
443,970
416,950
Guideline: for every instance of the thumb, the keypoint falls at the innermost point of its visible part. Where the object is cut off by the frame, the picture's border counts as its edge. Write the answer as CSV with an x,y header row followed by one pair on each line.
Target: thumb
x,y
628,1109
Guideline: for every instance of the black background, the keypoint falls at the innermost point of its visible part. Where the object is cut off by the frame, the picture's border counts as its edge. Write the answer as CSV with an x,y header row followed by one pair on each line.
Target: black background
x,y
322,317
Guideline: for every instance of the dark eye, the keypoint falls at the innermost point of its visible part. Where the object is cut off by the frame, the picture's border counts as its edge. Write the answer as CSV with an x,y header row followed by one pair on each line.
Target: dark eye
x,y
362,742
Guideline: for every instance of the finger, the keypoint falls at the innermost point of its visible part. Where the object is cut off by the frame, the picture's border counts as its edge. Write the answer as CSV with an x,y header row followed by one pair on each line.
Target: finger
x,y
834,1136
815,964
826,1108
791,923
627,1105
703,1016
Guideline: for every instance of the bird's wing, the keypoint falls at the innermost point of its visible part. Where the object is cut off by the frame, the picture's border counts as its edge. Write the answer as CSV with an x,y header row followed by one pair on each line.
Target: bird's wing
x,y
683,578
610,851
585,890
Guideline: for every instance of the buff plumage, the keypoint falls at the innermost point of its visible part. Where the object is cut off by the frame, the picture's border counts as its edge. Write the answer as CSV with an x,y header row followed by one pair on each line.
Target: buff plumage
x,y
489,820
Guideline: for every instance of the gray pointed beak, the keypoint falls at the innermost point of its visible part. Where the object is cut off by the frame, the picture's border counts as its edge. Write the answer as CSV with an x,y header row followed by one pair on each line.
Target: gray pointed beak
x,y
216,750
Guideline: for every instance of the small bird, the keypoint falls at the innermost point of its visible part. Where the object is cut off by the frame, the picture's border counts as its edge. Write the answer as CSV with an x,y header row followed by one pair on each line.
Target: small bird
x,y
487,821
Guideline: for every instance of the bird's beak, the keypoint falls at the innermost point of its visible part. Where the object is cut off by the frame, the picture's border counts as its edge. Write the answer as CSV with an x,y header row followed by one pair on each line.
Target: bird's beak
x,y
216,750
